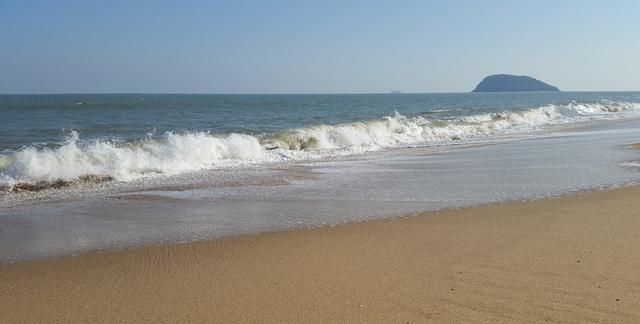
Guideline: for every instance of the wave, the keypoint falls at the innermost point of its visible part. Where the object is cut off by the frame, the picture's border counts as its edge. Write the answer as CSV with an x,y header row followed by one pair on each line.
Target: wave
x,y
176,153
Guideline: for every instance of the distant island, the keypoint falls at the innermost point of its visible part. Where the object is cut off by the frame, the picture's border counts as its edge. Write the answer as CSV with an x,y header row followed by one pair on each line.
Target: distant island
x,y
508,82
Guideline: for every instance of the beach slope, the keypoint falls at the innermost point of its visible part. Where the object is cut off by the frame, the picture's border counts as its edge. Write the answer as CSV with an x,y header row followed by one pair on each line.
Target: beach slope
x,y
566,260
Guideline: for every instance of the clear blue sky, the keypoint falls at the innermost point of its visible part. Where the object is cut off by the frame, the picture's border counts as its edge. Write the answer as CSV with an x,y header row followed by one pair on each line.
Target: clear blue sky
x,y
314,47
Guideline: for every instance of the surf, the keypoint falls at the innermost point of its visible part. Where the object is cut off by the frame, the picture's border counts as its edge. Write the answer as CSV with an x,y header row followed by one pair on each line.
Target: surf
x,y
179,152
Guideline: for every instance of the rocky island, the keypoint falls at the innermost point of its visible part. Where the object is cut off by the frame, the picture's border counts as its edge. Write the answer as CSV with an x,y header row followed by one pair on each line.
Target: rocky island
x,y
508,82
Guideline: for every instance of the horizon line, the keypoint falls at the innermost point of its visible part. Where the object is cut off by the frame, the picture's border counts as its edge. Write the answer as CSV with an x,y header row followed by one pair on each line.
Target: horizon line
x,y
282,93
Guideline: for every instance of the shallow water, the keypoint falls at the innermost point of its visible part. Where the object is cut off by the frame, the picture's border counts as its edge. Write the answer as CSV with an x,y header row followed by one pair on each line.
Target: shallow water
x,y
298,194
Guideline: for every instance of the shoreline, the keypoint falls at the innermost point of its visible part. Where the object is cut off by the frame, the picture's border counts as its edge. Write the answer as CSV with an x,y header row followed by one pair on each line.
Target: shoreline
x,y
243,236
568,258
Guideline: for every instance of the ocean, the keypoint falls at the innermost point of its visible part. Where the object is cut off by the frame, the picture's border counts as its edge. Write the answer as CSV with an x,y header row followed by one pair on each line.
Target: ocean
x,y
45,138
80,173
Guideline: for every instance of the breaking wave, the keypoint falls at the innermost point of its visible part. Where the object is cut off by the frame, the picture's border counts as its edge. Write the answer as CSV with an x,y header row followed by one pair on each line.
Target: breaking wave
x,y
175,153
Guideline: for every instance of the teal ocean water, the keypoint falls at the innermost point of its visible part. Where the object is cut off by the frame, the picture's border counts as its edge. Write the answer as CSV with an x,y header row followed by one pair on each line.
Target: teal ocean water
x,y
45,138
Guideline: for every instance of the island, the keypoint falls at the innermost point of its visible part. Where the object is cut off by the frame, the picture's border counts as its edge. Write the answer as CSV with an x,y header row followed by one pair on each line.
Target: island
x,y
508,82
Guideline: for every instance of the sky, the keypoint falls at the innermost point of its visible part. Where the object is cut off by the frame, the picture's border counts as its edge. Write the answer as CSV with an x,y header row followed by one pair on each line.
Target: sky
x,y
323,46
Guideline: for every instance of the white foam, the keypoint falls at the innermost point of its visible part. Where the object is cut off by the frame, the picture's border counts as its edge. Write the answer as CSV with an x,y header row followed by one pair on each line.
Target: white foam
x,y
631,164
176,153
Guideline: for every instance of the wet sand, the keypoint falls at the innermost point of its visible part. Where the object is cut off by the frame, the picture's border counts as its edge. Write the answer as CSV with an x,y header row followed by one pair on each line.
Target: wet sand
x,y
634,146
567,260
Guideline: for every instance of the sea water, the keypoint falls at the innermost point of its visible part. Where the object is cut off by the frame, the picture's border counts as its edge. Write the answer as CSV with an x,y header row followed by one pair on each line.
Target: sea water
x,y
190,167
46,138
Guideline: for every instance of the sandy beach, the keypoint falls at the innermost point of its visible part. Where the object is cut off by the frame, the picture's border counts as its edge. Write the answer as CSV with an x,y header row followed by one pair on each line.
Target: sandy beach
x,y
319,162
566,260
